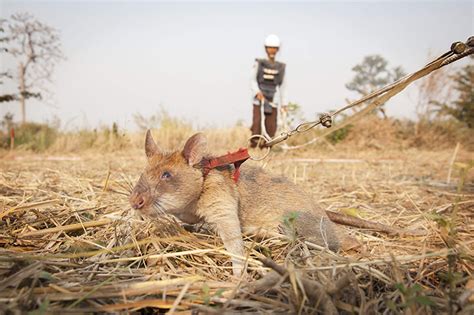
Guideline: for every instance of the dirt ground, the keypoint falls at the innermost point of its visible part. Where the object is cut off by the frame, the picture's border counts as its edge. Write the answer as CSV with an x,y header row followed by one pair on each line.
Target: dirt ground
x,y
64,242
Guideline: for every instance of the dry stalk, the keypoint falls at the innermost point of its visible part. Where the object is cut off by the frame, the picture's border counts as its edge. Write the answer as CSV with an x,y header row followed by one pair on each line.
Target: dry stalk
x,y
66,229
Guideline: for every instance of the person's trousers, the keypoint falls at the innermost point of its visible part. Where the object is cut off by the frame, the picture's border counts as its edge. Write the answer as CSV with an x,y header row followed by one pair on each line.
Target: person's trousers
x,y
270,123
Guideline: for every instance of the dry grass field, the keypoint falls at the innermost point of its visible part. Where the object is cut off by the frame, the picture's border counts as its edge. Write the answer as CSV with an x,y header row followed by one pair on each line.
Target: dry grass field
x,y
69,242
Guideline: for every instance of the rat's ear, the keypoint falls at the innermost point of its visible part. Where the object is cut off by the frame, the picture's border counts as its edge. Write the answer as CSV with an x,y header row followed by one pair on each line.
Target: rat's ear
x,y
151,147
195,148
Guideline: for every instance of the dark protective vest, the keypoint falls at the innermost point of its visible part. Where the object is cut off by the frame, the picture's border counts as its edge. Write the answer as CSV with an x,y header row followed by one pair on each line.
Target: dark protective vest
x,y
269,76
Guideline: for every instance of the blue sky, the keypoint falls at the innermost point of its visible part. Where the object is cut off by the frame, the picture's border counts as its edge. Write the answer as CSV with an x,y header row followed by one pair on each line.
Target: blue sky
x,y
194,59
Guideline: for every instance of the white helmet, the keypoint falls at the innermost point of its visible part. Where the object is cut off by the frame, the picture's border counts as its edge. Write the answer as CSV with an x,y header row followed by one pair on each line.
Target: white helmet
x,y
272,41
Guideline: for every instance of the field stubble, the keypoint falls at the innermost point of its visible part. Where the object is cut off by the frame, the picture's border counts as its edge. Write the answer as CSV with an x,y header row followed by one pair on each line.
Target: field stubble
x,y
69,241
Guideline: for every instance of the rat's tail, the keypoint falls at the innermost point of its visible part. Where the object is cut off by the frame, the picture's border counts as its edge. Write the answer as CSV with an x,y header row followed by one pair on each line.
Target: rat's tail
x,y
345,219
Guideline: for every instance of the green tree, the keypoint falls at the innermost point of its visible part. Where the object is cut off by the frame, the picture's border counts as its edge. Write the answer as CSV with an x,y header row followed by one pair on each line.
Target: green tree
x,y
462,108
371,74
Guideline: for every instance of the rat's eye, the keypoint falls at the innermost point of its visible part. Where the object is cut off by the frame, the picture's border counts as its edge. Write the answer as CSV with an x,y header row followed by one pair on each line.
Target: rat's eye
x,y
166,175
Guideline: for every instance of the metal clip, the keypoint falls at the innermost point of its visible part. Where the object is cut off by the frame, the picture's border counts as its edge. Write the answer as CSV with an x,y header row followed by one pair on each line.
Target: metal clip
x,y
276,140
470,41
325,120
458,47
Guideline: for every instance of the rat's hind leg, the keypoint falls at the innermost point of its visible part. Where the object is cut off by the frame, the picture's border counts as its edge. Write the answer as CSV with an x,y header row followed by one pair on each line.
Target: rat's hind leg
x,y
313,227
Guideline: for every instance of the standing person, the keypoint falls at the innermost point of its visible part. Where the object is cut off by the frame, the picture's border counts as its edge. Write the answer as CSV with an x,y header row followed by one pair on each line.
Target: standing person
x,y
269,90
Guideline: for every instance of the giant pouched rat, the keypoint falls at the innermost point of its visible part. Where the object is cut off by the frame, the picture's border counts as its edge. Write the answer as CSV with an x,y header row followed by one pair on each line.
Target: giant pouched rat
x,y
174,182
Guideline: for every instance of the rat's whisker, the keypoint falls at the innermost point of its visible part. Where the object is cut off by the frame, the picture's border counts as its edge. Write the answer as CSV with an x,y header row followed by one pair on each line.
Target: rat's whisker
x,y
126,183
168,204
158,207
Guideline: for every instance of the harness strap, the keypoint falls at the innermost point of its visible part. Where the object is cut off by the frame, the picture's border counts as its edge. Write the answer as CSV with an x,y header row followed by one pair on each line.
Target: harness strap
x,y
235,158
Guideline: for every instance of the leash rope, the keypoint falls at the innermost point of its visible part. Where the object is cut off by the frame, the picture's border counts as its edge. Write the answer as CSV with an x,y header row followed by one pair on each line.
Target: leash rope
x,y
262,120
457,51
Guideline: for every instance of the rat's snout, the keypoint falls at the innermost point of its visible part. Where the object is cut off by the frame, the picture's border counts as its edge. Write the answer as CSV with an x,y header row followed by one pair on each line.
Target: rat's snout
x,y
138,200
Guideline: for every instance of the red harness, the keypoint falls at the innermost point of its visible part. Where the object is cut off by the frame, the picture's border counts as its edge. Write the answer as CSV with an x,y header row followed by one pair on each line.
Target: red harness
x,y
236,158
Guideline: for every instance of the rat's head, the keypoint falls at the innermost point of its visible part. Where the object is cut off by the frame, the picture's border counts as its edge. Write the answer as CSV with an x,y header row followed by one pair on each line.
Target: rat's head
x,y
169,183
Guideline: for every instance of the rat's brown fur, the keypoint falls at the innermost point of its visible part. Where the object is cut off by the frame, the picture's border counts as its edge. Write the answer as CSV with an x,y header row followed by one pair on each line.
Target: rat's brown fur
x,y
257,203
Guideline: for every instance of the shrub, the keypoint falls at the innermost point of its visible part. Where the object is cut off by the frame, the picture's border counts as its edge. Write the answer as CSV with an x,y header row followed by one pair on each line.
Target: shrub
x,y
33,136
461,108
339,135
